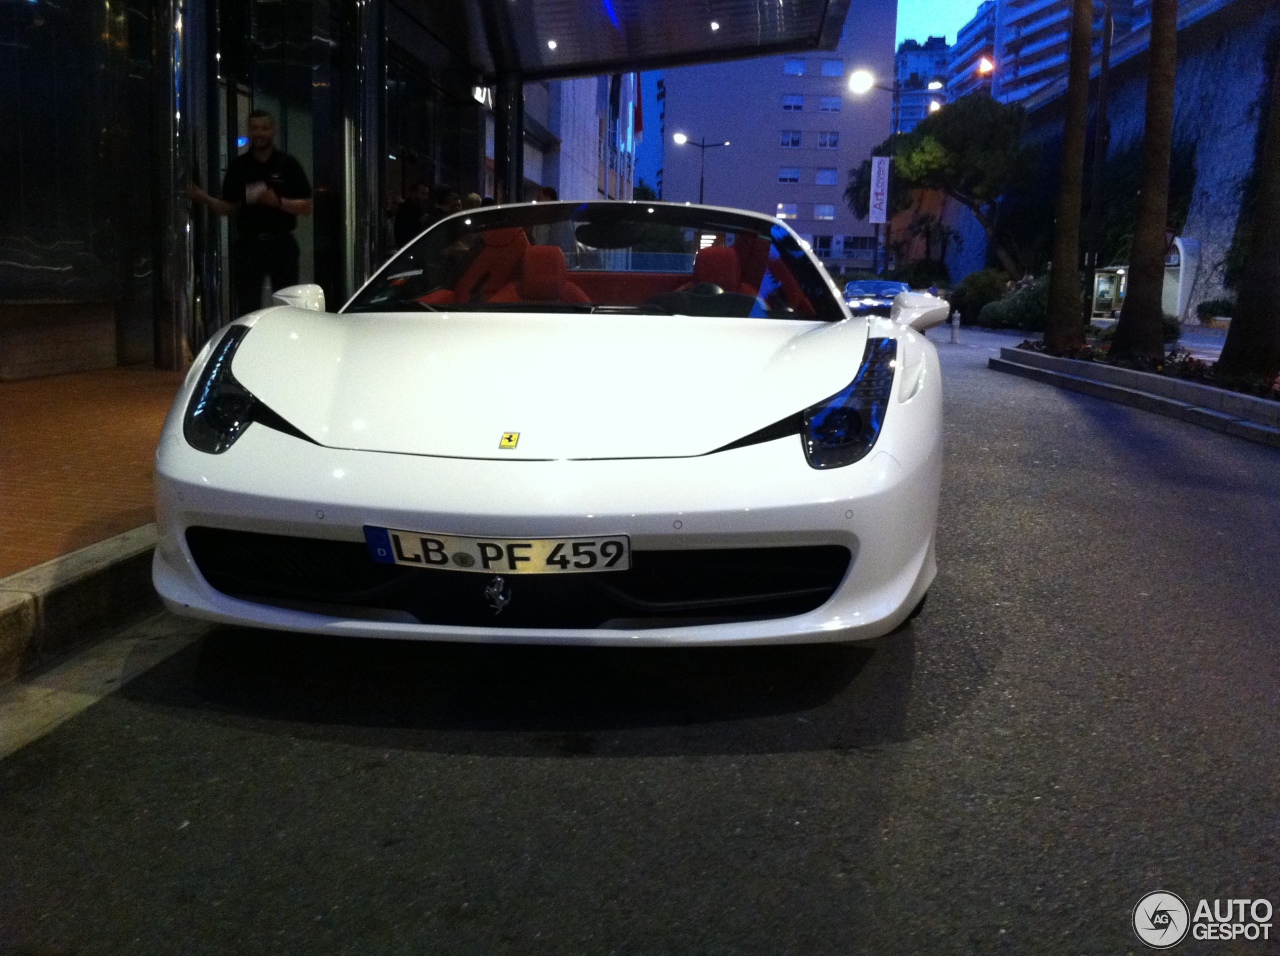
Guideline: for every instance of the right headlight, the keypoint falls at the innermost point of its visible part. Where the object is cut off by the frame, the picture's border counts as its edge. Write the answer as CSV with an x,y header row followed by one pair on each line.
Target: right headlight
x,y
842,429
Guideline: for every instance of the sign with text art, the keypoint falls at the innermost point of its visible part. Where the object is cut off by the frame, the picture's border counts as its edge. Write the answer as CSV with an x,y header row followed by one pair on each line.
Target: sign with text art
x,y
879,189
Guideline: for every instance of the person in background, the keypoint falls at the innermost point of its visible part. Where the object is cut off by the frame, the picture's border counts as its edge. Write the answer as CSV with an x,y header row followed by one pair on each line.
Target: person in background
x,y
557,233
266,190
471,201
445,202
411,214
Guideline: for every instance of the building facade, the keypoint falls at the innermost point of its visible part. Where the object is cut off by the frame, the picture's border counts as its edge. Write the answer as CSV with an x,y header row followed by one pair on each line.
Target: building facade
x,y
920,80
794,130
973,55
114,110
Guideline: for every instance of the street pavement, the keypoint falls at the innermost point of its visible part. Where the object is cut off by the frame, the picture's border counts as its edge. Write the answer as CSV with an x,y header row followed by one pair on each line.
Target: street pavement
x,y
1085,712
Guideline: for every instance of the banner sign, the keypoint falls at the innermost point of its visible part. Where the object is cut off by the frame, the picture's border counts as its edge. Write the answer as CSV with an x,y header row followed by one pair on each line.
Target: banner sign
x,y
879,189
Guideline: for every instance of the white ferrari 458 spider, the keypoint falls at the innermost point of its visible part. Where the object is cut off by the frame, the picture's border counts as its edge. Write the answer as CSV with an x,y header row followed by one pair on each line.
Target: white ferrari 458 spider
x,y
616,423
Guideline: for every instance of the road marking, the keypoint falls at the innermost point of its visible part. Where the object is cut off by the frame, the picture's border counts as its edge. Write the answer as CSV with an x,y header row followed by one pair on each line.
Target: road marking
x,y
35,705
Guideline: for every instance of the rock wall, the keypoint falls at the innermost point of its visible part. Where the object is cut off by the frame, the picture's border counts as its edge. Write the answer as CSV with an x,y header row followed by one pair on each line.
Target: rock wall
x,y
1222,77
1221,82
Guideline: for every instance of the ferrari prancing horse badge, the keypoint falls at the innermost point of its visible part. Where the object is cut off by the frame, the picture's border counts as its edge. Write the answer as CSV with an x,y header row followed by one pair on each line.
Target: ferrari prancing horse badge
x,y
509,440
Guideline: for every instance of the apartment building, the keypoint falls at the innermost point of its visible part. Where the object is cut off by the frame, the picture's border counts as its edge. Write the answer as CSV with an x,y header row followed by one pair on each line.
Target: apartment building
x,y
973,55
920,72
794,130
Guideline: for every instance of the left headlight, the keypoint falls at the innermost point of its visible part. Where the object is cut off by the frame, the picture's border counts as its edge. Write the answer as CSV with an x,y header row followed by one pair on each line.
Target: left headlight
x,y
842,429
220,408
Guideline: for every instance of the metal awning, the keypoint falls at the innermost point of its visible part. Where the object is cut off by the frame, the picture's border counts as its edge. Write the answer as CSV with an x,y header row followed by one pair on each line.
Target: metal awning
x,y
542,39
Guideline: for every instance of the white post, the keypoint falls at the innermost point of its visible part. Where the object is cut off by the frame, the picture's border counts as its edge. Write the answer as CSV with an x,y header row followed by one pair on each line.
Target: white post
x,y
955,327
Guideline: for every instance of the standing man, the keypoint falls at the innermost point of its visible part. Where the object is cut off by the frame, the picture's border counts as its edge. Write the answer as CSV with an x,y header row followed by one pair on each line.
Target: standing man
x,y
266,190
410,215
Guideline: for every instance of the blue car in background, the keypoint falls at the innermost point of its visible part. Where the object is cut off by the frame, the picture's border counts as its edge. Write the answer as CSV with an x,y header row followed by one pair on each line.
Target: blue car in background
x,y
872,296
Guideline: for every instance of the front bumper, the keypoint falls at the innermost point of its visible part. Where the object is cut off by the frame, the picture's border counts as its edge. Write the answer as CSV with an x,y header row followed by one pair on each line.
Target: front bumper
x,y
882,509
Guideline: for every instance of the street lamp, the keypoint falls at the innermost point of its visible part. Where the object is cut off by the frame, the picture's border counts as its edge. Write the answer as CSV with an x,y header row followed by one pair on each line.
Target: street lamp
x,y
862,82
683,140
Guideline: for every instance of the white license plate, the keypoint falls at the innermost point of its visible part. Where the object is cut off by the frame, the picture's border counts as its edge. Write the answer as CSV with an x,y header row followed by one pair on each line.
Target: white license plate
x,y
451,552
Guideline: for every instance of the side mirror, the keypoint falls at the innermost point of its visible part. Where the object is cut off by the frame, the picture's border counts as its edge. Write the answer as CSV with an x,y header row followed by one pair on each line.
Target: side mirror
x,y
307,296
919,310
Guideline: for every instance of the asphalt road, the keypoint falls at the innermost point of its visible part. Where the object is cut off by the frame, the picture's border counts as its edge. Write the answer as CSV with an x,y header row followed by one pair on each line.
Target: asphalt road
x,y
1086,711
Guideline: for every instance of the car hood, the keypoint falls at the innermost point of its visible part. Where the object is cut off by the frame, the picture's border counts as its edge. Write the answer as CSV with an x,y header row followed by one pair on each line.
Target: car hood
x,y
575,386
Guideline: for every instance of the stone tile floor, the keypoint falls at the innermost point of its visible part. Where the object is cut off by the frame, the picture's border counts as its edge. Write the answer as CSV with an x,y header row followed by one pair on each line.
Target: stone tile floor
x,y
75,459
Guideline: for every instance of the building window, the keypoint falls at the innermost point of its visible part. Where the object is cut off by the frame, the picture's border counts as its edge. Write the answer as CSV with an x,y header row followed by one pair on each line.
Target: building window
x,y
828,139
793,67
791,138
788,174
833,67
822,247
827,176
824,210
792,102
830,104
858,247
788,210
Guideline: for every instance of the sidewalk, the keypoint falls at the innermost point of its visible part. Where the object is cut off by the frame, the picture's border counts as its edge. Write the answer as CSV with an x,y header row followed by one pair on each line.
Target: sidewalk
x,y
75,459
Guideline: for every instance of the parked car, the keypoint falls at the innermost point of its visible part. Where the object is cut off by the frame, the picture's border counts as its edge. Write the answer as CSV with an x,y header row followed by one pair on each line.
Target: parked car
x,y
872,296
595,423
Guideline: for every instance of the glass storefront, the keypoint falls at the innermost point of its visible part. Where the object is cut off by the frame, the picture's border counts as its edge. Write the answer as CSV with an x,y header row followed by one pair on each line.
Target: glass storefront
x,y
112,107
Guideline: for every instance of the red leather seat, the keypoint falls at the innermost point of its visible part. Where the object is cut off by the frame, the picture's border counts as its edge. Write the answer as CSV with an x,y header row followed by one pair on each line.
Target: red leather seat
x,y
495,265
544,277
718,265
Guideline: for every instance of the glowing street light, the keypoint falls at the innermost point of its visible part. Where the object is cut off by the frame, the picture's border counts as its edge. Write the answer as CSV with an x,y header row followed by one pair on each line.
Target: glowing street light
x,y
985,66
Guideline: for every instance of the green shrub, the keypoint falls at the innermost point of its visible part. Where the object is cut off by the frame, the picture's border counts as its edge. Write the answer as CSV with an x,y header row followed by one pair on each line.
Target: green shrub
x,y
1212,308
1024,309
974,291
923,273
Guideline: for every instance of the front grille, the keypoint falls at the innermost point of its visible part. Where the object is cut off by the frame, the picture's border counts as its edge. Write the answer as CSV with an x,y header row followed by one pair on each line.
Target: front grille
x,y
662,588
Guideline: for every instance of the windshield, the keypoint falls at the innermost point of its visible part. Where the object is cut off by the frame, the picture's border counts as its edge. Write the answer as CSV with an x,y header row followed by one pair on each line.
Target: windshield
x,y
875,288
627,257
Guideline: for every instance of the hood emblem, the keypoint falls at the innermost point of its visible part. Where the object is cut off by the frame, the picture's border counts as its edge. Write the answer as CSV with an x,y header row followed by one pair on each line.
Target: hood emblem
x,y
497,594
509,440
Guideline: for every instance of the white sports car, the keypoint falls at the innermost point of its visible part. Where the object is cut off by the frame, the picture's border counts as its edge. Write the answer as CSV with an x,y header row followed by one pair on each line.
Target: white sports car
x,y
598,423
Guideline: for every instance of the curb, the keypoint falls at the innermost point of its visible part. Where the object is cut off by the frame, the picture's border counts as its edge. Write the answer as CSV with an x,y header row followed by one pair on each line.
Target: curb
x,y
49,608
1244,416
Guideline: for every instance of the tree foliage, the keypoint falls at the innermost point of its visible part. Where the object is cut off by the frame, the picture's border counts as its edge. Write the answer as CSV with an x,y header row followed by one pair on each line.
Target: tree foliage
x,y
972,150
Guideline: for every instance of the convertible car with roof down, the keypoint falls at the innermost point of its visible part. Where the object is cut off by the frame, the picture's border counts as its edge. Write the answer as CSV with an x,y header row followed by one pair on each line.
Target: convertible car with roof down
x,y
618,423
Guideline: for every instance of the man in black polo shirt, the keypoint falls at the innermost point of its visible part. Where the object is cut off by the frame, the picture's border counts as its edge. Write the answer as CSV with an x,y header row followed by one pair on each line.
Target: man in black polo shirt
x,y
266,190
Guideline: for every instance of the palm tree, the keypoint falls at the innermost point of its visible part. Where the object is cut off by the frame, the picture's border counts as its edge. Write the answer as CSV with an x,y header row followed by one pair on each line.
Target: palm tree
x,y
1139,337
1253,342
1063,330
